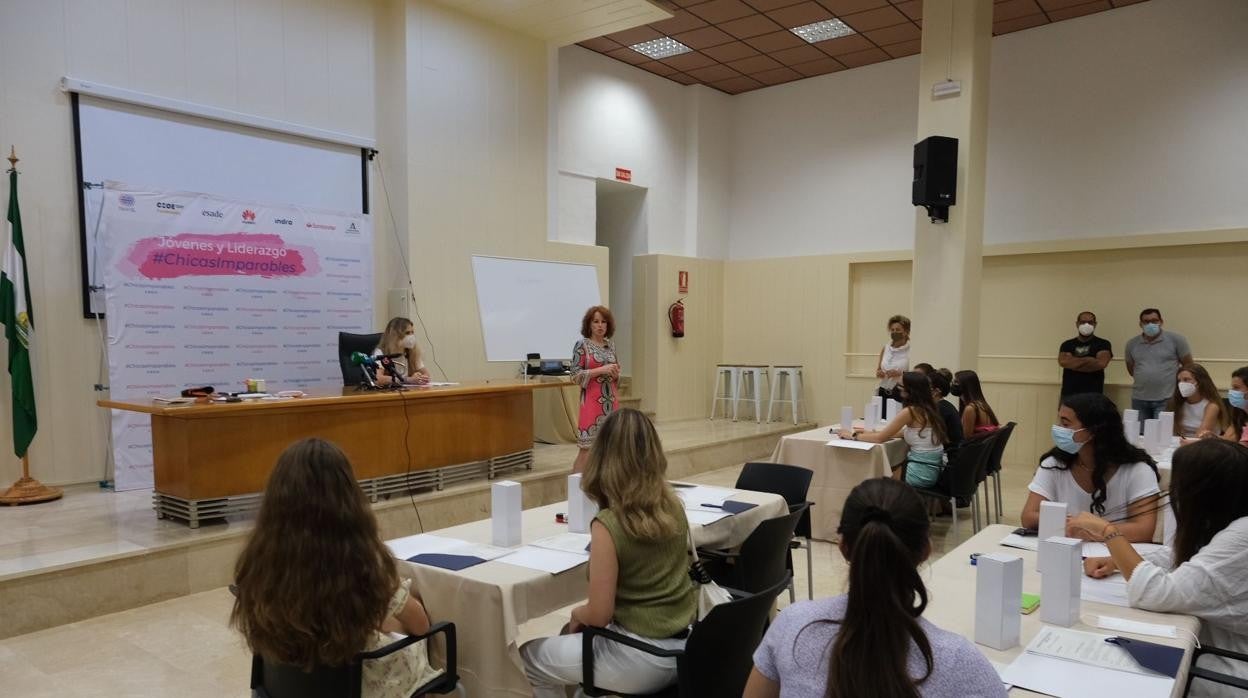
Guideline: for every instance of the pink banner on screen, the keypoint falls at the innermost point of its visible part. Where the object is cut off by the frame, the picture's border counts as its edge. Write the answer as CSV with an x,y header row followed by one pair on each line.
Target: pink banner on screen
x,y
232,254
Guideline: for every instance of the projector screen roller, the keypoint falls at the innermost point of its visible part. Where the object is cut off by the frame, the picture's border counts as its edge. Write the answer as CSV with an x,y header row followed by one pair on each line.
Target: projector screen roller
x,y
147,147
532,307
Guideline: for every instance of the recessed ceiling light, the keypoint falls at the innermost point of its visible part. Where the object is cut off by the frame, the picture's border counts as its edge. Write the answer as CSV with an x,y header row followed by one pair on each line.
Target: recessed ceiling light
x,y
822,31
664,47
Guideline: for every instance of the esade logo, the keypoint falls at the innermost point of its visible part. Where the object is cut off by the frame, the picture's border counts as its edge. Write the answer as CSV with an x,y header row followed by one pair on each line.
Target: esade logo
x,y
212,214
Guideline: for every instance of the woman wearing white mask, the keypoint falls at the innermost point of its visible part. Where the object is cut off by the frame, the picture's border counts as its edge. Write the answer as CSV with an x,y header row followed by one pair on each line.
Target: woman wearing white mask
x,y
399,343
1196,405
1093,469
1237,396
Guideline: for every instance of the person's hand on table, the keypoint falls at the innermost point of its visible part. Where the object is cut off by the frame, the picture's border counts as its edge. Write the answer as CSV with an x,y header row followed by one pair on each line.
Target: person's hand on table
x,y
850,434
879,373
1099,567
1086,526
418,379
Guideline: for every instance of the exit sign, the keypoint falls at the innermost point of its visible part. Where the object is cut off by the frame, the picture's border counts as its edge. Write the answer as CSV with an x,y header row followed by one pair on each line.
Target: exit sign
x,y
623,175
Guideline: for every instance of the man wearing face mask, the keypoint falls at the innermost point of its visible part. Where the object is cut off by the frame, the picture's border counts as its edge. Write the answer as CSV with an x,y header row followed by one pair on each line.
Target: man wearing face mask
x,y
1154,358
1084,357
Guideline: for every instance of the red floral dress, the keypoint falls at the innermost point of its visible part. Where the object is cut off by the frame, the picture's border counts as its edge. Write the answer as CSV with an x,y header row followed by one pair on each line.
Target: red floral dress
x,y
598,393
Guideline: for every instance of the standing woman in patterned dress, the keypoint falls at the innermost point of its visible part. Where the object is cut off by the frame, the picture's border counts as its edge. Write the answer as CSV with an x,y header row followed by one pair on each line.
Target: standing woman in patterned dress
x,y
596,369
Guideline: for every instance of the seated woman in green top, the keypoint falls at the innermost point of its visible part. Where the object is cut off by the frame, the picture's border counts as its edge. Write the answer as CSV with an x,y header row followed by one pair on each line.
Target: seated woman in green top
x,y
638,569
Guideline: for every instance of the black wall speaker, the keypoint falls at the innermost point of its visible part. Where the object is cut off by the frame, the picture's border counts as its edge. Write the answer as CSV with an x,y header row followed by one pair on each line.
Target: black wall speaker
x,y
935,176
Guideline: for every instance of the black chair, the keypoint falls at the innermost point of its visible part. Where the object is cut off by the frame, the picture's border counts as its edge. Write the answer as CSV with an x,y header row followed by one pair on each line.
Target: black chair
x,y
960,479
1195,672
793,483
717,657
762,558
348,344
1001,439
272,680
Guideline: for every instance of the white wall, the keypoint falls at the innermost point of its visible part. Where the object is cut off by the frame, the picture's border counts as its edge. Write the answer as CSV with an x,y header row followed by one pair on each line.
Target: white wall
x,y
621,225
306,61
1123,122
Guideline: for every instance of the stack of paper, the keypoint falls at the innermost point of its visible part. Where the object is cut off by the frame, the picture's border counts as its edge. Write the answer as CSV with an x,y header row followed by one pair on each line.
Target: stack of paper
x,y
1075,664
544,559
567,542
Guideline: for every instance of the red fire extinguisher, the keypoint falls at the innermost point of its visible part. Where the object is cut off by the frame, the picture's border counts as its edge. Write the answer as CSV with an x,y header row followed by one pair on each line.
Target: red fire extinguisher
x,y
676,316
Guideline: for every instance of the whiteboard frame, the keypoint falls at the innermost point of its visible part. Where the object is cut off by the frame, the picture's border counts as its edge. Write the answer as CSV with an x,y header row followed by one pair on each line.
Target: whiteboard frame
x,y
481,318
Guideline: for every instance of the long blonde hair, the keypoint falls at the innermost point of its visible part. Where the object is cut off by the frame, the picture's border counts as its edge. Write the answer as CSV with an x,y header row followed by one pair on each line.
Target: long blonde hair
x,y
627,473
392,342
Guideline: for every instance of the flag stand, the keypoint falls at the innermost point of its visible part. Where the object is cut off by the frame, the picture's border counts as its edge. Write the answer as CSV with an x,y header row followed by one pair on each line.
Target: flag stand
x,y
28,490
18,326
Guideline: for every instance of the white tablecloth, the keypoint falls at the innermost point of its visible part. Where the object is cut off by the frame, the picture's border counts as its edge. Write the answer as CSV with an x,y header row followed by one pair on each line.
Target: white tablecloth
x,y
951,603
488,602
837,471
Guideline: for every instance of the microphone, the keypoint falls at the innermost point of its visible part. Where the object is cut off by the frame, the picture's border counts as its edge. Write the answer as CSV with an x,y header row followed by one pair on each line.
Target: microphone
x,y
359,358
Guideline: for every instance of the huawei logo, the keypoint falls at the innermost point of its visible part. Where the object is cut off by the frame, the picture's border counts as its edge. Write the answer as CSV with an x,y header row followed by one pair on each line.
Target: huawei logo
x,y
249,215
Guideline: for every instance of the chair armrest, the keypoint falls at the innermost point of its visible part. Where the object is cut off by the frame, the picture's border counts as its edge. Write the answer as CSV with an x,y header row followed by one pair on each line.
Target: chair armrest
x,y
587,653
1215,677
442,627
717,554
1219,652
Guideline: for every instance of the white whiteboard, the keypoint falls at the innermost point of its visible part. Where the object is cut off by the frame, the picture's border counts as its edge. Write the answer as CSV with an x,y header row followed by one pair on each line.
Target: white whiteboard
x,y
164,151
532,307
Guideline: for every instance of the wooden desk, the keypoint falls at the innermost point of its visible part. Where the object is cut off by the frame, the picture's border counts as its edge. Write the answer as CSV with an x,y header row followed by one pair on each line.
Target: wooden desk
x,y
211,460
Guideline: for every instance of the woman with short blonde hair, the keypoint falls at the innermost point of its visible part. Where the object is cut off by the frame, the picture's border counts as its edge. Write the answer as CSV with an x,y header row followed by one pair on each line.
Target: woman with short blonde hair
x,y
398,341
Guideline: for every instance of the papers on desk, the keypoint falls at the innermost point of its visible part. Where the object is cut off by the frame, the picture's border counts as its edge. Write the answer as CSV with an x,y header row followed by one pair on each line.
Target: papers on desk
x,y
1032,543
430,384
544,559
1075,664
567,542
705,517
852,444
439,551
705,496
1111,590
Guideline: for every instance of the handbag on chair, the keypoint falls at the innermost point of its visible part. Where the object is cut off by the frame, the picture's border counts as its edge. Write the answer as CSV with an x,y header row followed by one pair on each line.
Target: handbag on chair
x,y
709,593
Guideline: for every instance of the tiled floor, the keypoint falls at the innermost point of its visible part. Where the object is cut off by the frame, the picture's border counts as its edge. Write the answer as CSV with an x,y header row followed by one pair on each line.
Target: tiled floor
x,y
184,647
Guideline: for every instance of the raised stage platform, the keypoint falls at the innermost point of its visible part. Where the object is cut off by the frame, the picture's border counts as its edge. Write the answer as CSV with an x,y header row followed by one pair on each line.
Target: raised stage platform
x,y
96,552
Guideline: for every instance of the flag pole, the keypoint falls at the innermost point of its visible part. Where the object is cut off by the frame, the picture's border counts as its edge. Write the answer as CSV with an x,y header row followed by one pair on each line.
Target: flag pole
x,y
27,490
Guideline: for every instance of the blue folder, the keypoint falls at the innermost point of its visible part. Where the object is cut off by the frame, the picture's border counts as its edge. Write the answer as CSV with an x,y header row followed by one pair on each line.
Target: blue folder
x,y
1162,659
737,507
453,563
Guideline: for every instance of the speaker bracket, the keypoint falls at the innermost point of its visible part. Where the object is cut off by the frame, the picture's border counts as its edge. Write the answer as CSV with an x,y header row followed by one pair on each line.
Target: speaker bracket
x,y
938,214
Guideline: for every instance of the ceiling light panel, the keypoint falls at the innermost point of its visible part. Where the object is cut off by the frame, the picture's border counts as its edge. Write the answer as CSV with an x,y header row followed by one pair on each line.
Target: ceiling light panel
x,y
664,47
822,31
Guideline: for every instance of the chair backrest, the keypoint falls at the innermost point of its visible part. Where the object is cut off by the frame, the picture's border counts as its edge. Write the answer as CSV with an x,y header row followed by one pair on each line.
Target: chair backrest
x,y
719,653
272,680
998,448
348,344
763,557
789,481
967,469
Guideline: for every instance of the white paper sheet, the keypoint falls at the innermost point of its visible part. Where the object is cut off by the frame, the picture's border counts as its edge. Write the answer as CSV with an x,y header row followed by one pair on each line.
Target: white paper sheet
x,y
1083,647
544,559
852,444
567,542
1111,590
700,495
705,517
1068,679
422,543
1014,540
1101,550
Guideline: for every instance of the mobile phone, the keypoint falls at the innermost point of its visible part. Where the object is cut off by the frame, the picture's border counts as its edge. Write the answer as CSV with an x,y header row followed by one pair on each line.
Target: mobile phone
x,y
1026,532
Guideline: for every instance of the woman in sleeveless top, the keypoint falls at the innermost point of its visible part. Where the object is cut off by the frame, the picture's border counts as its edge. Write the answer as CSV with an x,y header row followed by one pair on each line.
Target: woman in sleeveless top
x,y
1196,404
977,415
920,424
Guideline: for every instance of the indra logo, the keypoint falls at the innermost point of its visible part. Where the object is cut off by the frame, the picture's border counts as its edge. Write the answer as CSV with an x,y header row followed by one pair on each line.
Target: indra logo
x,y
213,214
168,207
283,221
125,202
249,216
353,229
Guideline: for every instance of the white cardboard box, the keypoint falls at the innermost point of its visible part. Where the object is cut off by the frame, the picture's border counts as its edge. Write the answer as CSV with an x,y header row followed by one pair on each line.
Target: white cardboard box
x,y
847,418
1061,580
998,596
505,513
581,509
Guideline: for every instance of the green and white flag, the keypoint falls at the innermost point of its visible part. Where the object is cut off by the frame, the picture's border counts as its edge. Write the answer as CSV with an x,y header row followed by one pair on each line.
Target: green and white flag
x,y
19,326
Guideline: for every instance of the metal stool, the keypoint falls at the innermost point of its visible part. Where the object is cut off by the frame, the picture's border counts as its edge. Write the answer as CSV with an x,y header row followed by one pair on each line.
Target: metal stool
x,y
727,379
750,388
779,376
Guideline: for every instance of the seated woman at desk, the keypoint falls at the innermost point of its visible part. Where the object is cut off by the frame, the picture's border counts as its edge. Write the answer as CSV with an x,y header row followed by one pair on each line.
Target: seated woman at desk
x,y
638,569
399,342
920,424
1204,573
977,415
316,585
874,640
1196,404
1093,469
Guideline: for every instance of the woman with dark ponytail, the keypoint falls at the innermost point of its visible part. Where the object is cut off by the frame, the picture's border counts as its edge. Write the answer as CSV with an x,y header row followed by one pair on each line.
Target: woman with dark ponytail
x,y
872,641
